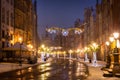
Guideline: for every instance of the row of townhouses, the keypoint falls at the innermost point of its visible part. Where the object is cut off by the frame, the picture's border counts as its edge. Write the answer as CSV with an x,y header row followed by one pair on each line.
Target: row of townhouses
x,y
18,18
101,23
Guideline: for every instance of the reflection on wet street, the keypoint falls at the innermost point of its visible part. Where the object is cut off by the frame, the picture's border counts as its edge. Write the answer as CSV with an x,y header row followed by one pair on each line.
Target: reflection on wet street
x,y
60,69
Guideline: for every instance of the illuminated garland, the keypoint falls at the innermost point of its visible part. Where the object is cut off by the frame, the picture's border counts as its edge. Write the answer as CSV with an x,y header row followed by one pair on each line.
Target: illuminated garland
x,y
64,32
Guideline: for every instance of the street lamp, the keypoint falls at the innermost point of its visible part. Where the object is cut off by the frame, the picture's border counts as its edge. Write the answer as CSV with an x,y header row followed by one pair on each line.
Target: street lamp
x,y
70,51
116,35
107,43
42,52
86,54
94,47
111,39
108,59
78,51
20,41
64,53
116,53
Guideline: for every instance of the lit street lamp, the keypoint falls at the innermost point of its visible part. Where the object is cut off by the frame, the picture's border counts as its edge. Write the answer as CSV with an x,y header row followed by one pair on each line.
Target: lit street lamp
x,y
20,41
64,53
116,35
43,52
94,47
108,51
116,54
70,51
86,53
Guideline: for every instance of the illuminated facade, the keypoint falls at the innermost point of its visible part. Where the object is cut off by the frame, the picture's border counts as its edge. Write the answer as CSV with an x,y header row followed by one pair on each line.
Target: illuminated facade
x,y
6,22
18,18
26,22
100,27
23,20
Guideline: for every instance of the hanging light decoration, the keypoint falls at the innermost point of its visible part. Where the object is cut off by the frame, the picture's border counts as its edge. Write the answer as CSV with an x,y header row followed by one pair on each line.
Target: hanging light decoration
x,y
65,32
78,31
51,30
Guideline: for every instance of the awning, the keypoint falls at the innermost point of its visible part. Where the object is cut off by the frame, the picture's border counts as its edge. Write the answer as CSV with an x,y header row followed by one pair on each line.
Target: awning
x,y
17,46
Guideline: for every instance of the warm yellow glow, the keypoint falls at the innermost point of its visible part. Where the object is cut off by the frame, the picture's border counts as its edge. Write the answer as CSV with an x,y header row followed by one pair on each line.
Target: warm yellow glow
x,y
64,52
70,51
78,50
29,69
118,44
12,42
20,39
86,48
107,43
116,35
94,44
30,47
43,46
47,64
111,39
82,50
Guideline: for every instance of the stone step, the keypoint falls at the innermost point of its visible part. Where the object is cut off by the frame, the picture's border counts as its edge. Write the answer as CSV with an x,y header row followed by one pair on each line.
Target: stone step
x,y
107,74
117,74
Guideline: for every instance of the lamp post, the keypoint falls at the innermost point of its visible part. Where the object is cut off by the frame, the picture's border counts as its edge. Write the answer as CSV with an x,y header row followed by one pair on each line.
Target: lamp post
x,y
116,51
116,35
64,53
78,52
20,41
70,52
32,56
86,54
43,52
94,47
108,59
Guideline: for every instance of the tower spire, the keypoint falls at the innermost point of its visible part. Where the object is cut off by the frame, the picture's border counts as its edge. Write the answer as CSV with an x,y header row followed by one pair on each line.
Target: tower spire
x,y
35,5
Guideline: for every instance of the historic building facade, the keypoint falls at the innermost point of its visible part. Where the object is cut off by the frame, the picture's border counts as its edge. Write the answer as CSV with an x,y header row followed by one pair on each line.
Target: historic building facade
x,y
7,23
100,27
18,18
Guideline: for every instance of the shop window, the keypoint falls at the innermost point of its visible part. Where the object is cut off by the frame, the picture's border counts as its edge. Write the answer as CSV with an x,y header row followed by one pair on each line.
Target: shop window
x,y
3,44
3,34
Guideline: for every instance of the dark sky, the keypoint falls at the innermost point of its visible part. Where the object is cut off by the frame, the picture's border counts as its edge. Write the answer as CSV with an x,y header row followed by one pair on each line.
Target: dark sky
x,y
61,13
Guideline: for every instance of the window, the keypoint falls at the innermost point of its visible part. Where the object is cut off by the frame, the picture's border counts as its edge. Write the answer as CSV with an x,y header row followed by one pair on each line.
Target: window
x,y
7,18
3,44
11,37
3,34
7,1
3,15
11,2
12,19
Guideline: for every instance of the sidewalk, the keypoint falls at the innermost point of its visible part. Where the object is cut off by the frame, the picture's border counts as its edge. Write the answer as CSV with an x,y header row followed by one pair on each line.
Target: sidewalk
x,y
95,72
4,67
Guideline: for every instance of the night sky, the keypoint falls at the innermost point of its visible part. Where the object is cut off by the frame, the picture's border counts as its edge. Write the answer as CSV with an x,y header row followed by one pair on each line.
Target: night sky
x,y
60,13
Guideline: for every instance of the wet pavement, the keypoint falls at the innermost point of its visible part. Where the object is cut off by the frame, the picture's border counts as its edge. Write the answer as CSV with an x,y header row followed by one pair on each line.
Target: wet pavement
x,y
59,69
